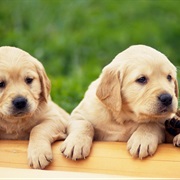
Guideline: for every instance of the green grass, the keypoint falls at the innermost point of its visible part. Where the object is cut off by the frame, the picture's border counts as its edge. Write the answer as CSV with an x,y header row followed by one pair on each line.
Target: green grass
x,y
74,39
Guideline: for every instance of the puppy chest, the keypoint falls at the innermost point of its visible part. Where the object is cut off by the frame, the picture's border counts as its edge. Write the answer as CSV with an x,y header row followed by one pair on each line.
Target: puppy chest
x,y
12,132
115,132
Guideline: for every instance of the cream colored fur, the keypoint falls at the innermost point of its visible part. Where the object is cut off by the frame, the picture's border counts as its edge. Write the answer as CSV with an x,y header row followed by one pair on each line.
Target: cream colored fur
x,y
42,122
116,107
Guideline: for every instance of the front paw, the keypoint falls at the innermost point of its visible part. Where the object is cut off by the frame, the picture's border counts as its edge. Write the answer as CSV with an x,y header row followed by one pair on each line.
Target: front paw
x,y
142,146
176,140
173,126
39,156
76,147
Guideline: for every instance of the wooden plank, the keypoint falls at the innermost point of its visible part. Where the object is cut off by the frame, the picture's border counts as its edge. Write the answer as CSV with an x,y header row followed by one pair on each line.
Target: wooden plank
x,y
105,158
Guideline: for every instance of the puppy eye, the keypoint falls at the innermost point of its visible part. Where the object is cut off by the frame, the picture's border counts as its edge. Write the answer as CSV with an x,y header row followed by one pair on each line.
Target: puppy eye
x,y
169,77
142,80
28,80
2,84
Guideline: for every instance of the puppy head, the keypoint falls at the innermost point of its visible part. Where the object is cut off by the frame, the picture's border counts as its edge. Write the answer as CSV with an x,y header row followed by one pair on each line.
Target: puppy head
x,y
24,84
141,83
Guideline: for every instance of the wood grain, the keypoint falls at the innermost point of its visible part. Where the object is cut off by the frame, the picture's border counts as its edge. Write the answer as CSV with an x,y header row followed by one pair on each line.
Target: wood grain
x,y
105,158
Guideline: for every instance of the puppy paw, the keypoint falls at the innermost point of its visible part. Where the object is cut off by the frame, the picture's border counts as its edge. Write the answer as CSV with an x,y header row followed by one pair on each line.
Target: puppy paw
x,y
176,140
172,126
76,147
39,156
142,146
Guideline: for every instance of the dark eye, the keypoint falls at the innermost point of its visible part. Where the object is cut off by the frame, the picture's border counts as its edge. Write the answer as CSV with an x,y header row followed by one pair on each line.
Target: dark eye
x,y
28,80
169,77
142,80
2,84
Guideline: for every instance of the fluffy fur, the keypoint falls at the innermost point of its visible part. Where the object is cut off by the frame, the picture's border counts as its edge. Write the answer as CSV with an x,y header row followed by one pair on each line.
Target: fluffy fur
x,y
129,102
26,110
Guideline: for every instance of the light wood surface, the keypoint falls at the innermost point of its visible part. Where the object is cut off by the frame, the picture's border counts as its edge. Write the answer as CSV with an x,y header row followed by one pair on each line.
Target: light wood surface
x,y
109,158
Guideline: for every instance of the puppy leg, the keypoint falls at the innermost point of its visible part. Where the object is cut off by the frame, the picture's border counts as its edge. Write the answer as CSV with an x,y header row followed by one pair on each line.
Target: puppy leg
x,y
78,143
145,139
41,137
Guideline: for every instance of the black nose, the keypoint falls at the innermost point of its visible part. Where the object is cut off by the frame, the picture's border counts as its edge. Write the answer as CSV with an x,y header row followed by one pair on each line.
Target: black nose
x,y
20,102
166,99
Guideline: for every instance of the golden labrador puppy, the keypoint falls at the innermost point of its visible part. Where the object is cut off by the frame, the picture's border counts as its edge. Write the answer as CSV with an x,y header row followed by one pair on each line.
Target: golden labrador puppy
x,y
26,110
130,101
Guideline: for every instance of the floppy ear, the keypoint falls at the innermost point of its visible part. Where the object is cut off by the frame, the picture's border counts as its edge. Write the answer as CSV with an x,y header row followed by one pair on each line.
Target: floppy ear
x,y
44,80
45,84
176,88
108,90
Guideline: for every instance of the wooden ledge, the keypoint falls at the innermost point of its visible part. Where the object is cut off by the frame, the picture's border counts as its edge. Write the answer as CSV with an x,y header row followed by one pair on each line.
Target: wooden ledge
x,y
109,158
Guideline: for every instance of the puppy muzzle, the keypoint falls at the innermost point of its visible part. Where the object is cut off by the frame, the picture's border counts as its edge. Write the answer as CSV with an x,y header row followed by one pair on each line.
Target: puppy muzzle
x,y
165,103
165,99
20,106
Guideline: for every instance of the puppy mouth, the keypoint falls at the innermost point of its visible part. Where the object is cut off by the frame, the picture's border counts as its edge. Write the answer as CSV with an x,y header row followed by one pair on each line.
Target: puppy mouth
x,y
164,110
20,114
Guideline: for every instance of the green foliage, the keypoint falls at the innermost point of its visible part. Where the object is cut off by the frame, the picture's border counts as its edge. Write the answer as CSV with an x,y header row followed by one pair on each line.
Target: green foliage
x,y
74,39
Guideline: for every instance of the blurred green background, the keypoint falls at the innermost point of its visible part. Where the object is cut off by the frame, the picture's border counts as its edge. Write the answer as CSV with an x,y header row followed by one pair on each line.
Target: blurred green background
x,y
75,39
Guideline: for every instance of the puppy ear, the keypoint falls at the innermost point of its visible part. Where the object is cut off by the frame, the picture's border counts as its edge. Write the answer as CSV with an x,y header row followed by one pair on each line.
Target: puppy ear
x,y
176,88
44,80
45,85
108,90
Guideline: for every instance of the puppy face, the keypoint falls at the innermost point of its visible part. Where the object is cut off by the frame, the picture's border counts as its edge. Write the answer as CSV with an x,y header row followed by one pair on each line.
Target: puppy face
x,y
23,84
142,83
